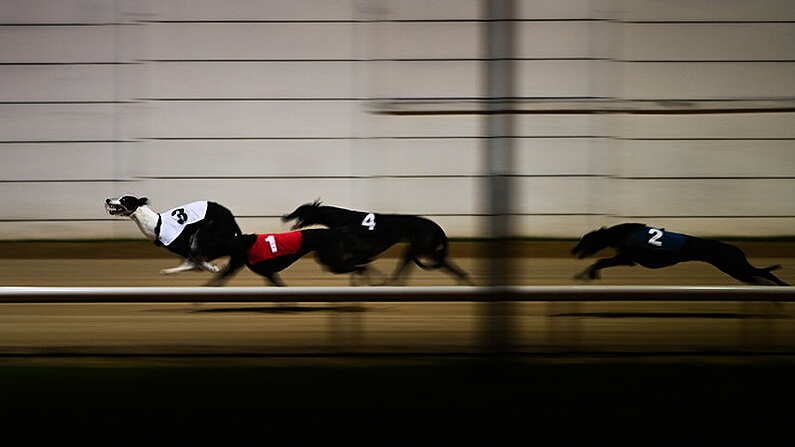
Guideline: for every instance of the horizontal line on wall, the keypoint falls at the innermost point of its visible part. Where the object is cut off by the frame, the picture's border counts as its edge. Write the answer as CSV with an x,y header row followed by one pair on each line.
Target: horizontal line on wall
x,y
702,22
579,105
428,100
443,137
67,181
477,59
705,61
252,98
81,24
707,178
342,138
4,143
406,176
479,20
365,177
784,216
365,21
475,100
519,111
452,59
63,102
706,138
71,63
63,141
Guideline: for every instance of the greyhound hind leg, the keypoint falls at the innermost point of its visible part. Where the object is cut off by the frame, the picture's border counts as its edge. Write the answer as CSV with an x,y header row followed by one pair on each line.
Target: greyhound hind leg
x,y
765,273
398,276
274,279
460,275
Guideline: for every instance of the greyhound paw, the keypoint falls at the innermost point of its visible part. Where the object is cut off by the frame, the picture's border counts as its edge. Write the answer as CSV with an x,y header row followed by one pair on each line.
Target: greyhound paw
x,y
212,268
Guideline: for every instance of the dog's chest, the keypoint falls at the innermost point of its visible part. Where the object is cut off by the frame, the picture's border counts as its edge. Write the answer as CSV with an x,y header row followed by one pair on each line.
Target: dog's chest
x,y
174,221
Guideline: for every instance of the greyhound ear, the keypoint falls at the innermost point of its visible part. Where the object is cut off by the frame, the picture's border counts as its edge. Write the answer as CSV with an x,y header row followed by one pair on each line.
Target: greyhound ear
x,y
317,202
143,201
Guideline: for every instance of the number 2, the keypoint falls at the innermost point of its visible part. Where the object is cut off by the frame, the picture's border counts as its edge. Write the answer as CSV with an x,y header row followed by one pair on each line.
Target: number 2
x,y
270,239
369,221
657,234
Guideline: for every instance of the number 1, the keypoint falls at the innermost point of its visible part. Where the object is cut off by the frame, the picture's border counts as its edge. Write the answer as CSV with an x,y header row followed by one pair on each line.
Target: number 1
x,y
270,239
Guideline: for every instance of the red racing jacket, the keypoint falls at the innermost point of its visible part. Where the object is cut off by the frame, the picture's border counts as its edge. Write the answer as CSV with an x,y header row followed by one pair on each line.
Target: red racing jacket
x,y
272,245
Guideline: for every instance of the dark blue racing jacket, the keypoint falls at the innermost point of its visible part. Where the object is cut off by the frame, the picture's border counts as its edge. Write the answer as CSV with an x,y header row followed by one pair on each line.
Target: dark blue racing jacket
x,y
656,239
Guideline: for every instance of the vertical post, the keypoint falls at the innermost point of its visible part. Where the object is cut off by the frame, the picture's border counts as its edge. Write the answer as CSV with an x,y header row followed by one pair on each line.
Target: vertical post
x,y
499,132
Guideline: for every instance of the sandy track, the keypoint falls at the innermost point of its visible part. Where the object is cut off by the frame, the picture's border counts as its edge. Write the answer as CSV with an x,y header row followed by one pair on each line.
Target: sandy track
x,y
306,272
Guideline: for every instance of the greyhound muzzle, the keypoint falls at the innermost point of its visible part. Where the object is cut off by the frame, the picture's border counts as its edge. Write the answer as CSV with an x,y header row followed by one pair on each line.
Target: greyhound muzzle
x,y
115,208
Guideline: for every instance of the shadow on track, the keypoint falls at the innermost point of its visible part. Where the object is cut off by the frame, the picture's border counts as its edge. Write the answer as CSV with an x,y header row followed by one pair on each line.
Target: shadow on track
x,y
716,315
281,309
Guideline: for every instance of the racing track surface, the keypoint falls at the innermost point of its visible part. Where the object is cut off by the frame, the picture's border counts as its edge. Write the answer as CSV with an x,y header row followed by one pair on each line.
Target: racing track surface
x,y
249,373
380,327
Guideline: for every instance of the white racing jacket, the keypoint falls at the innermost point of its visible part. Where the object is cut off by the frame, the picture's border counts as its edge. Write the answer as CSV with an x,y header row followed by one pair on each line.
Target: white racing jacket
x,y
174,221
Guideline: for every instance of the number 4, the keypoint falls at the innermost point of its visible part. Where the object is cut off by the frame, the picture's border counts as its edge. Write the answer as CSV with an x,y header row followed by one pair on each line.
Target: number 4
x,y
657,234
369,221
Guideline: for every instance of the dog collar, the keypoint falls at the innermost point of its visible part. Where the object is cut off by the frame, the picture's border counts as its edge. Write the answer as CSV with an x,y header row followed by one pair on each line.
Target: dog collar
x,y
157,230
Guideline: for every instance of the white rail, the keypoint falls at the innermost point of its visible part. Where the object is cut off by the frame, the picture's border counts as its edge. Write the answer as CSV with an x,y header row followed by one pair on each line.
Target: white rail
x,y
382,293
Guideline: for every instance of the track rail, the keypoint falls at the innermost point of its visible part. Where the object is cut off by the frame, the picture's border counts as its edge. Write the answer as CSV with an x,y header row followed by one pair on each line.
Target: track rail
x,y
387,294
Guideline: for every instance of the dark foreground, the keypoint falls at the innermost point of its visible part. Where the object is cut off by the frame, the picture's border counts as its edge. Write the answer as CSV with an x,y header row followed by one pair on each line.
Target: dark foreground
x,y
395,400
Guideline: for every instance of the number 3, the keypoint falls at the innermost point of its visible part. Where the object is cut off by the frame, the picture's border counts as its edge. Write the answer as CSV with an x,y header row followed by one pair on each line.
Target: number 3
x,y
181,216
657,234
369,221
270,239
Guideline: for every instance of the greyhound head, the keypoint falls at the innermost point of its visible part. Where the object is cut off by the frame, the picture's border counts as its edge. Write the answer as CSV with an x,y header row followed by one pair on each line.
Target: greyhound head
x,y
124,205
305,215
591,243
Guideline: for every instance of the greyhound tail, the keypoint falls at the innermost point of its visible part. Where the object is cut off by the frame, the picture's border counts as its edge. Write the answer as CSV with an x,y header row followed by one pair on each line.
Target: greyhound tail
x,y
771,268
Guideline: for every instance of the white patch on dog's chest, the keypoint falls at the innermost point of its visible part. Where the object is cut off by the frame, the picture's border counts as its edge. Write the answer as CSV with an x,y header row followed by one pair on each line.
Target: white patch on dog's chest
x,y
174,221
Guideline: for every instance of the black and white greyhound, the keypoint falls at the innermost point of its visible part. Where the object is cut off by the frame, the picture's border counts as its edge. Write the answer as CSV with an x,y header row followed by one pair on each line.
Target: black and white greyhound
x,y
637,243
175,229
377,232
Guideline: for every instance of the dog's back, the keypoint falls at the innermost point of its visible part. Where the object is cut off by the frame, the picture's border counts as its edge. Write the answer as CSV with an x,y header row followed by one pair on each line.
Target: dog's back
x,y
218,221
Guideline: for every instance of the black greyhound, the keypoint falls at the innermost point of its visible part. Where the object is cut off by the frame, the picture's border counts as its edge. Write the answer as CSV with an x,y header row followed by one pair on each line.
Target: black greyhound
x,y
636,243
375,233
269,253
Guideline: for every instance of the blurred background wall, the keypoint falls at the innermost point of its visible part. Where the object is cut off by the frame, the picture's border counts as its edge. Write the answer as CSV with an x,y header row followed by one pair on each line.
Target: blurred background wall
x,y
678,113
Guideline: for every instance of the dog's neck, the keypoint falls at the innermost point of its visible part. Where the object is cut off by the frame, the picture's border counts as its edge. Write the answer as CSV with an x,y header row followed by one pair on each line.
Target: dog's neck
x,y
146,219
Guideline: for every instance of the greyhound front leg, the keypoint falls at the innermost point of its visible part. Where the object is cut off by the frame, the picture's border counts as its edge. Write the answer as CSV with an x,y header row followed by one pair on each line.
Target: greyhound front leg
x,y
212,268
274,279
186,265
223,276
592,272
398,276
